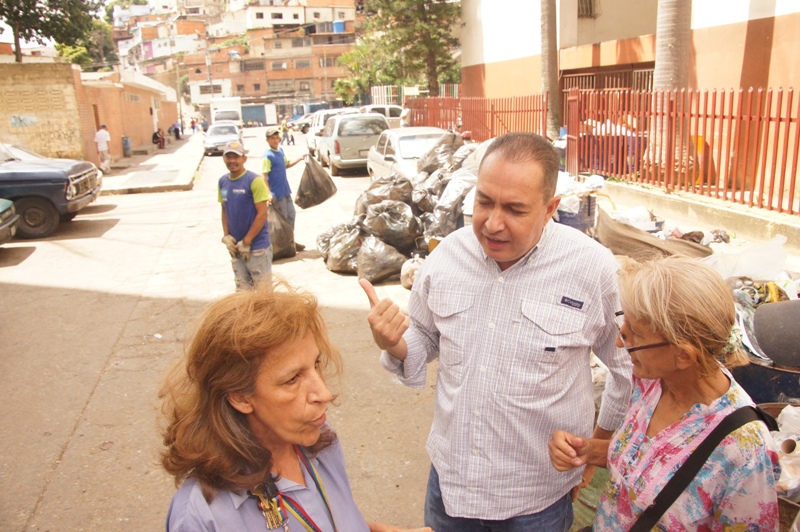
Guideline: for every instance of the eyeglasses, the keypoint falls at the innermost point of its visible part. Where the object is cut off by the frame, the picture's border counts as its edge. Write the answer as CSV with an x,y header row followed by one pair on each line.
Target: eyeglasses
x,y
619,318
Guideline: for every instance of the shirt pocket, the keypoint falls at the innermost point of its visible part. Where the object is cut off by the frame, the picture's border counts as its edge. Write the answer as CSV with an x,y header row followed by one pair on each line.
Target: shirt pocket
x,y
451,311
548,339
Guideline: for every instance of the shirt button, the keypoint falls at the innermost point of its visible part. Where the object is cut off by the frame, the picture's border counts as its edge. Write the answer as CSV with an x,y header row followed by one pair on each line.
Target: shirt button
x,y
472,490
477,414
501,279
483,369
475,452
491,325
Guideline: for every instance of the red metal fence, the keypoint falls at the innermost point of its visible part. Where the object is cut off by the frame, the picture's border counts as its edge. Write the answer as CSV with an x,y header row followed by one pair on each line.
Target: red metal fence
x,y
484,117
740,146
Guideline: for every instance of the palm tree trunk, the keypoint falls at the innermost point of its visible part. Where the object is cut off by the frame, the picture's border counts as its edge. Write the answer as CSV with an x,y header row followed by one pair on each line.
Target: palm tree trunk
x,y
549,66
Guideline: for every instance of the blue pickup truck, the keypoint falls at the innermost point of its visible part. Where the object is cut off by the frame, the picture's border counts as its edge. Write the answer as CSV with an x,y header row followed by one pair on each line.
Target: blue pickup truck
x,y
46,191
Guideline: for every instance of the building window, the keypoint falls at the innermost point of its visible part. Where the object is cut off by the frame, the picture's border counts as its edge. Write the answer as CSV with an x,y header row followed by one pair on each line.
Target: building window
x,y
260,15
298,42
278,44
257,87
279,65
205,89
588,9
277,15
296,16
316,14
239,88
252,64
305,86
327,61
341,15
131,97
302,63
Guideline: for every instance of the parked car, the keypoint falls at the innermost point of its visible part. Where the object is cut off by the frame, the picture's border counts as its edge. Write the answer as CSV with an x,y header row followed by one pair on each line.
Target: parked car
x,y
46,191
346,139
28,155
398,150
391,112
220,134
301,123
318,121
8,220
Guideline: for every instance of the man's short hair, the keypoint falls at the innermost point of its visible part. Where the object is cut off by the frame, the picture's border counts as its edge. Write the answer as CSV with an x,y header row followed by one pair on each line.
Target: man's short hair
x,y
525,147
103,127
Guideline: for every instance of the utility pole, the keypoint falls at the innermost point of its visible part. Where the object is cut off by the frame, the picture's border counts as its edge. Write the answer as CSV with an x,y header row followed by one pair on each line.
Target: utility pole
x,y
208,67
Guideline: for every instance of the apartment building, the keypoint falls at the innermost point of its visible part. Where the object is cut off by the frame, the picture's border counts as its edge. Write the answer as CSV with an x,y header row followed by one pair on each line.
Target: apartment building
x,y
265,51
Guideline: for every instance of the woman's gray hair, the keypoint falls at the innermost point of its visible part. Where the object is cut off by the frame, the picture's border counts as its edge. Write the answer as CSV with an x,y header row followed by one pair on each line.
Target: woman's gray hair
x,y
686,302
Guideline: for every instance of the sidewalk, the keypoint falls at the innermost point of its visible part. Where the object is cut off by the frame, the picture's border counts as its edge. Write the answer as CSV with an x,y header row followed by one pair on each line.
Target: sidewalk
x,y
172,168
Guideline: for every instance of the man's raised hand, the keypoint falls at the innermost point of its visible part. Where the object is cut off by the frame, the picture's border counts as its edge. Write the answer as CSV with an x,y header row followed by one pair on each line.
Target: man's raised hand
x,y
387,321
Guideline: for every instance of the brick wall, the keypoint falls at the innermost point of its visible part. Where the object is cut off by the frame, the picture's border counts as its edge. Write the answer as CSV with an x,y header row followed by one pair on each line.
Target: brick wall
x,y
48,109
40,108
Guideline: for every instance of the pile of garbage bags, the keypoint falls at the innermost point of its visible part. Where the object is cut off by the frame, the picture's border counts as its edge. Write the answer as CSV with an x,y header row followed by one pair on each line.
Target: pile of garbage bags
x,y
396,217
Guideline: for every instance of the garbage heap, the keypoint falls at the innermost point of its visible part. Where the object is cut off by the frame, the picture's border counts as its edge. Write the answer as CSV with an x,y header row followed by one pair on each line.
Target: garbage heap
x,y
397,220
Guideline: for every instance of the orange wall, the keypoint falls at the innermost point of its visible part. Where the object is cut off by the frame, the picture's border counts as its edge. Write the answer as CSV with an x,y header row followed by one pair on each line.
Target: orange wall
x,y
758,53
516,77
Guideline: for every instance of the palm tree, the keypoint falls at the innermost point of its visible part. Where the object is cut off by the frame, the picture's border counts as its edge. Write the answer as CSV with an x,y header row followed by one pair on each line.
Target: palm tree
x,y
550,67
673,42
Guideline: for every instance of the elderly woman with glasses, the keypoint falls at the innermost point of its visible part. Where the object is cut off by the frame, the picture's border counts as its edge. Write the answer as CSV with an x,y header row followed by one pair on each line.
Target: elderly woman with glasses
x,y
246,434
677,324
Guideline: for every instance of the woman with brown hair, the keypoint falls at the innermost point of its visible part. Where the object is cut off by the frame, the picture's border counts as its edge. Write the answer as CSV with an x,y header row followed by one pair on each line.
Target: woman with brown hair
x,y
678,326
246,436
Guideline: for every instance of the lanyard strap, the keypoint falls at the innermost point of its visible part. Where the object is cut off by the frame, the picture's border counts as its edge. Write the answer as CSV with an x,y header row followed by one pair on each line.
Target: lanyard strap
x,y
294,507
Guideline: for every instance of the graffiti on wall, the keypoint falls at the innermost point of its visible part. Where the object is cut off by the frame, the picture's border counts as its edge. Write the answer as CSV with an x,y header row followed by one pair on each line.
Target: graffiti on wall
x,y
23,120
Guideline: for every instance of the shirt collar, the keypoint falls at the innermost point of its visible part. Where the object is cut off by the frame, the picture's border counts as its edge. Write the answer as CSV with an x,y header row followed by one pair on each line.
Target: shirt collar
x,y
238,497
543,240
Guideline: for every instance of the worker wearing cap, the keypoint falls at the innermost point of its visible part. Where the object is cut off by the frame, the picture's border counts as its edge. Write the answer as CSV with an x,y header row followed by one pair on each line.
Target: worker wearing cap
x,y
274,164
244,197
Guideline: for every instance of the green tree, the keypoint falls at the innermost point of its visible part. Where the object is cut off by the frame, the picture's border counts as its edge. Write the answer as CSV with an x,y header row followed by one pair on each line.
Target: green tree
x,y
78,55
64,21
369,65
418,35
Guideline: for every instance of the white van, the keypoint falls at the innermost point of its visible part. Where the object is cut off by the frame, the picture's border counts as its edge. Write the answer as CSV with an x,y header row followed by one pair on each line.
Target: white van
x,y
318,120
391,112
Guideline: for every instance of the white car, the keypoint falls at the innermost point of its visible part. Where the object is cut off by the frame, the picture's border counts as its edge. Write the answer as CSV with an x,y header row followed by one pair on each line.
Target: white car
x,y
219,135
398,150
346,139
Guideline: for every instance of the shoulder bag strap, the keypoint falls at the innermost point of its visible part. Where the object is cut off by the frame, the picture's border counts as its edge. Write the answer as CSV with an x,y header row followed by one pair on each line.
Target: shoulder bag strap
x,y
686,473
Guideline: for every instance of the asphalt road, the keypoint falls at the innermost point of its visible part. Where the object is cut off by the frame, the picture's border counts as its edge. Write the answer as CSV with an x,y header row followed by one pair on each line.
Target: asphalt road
x,y
92,318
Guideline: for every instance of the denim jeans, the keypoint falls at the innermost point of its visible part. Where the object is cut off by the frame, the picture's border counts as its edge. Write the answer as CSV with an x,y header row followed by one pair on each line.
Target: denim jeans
x,y
286,207
248,274
555,518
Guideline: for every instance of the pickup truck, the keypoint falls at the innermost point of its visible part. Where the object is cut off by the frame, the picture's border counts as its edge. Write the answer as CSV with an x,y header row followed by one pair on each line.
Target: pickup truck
x,y
46,191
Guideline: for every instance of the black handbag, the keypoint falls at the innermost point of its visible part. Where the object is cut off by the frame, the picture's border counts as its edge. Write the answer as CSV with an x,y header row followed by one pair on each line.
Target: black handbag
x,y
686,473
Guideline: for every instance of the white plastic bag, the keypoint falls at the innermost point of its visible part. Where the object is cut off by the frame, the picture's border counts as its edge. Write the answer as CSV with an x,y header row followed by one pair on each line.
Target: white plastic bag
x,y
761,262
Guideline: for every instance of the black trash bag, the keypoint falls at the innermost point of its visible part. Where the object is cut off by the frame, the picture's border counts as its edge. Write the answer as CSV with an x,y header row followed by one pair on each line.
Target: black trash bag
x,y
393,187
426,220
440,155
394,223
462,153
343,249
422,201
378,260
315,186
324,239
281,235
436,182
450,206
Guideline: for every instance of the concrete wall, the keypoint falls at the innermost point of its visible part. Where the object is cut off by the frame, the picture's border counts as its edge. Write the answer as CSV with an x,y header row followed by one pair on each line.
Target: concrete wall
x,y
50,110
40,108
